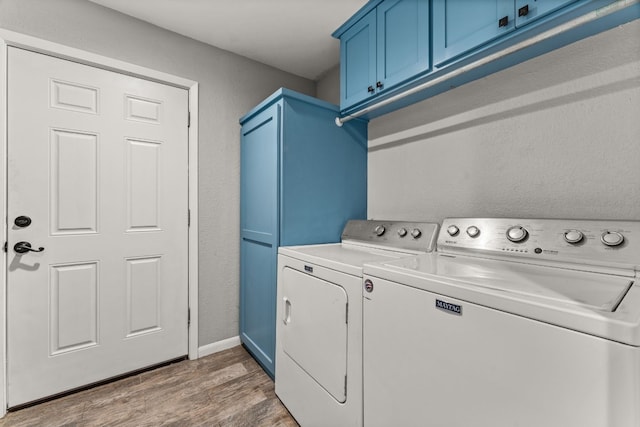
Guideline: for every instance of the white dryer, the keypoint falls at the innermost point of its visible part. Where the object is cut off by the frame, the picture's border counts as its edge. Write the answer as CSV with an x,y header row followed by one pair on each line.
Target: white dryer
x,y
319,317
515,322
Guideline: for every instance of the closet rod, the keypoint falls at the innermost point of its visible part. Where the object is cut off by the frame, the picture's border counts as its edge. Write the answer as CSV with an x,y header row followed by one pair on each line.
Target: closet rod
x,y
569,25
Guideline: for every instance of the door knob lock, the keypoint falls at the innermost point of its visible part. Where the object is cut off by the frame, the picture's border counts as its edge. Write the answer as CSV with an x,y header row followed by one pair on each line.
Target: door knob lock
x,y
24,247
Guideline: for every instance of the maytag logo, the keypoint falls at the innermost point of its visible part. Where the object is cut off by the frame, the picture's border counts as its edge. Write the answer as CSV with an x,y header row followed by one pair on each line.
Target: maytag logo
x,y
447,306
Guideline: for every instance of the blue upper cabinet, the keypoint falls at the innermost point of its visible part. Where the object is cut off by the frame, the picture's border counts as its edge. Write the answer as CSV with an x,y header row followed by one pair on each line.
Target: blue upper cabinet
x,y
385,44
358,62
402,40
529,10
461,26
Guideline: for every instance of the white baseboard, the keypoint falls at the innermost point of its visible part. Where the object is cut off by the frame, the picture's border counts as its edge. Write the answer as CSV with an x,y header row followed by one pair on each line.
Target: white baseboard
x,y
217,346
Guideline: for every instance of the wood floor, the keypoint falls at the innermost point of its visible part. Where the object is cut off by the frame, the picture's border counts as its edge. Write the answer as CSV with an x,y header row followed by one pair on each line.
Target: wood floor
x,y
224,389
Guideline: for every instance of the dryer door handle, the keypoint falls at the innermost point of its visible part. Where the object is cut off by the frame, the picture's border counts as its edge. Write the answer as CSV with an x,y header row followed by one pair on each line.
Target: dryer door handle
x,y
287,310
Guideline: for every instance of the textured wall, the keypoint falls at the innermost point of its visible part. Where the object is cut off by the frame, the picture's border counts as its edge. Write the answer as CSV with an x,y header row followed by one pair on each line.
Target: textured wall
x,y
230,85
555,137
329,86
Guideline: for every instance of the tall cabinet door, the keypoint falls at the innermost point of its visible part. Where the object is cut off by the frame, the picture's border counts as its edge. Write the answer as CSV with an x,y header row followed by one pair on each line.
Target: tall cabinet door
x,y
259,233
358,61
402,40
459,26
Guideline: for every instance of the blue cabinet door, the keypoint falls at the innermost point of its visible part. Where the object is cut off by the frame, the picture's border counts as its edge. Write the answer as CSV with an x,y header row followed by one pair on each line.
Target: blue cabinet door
x,y
460,26
402,40
259,234
530,10
385,47
358,61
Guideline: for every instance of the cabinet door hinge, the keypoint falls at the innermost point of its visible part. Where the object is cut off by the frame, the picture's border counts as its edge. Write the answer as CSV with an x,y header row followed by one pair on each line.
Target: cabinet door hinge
x,y
6,246
188,217
189,119
345,385
189,316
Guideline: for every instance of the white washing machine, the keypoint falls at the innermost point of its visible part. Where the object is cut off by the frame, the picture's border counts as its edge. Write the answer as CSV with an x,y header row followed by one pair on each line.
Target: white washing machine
x,y
514,322
319,317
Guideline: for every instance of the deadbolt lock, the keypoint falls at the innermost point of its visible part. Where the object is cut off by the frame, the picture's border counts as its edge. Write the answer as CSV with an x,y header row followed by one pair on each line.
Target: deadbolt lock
x,y
22,221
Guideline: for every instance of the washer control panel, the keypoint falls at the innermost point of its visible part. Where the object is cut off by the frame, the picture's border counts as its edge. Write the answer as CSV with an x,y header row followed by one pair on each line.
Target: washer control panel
x,y
608,243
417,236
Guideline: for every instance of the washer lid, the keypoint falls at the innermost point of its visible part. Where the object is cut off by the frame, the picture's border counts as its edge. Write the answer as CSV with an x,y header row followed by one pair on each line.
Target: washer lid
x,y
600,304
597,291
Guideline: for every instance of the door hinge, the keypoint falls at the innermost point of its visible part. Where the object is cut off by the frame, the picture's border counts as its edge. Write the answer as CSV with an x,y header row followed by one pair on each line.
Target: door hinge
x,y
189,119
189,316
188,217
345,385
6,246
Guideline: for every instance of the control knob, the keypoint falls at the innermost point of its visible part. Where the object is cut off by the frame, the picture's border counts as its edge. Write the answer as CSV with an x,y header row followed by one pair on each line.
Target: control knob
x,y
379,230
573,236
473,231
415,233
402,232
453,230
612,238
517,233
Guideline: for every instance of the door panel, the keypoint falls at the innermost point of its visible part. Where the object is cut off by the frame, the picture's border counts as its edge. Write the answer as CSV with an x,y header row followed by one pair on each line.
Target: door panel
x,y
460,26
73,307
98,160
74,181
358,61
143,186
143,295
259,232
259,175
402,40
315,329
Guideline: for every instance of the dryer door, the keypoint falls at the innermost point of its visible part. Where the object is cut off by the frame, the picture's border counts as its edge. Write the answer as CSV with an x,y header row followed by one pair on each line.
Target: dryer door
x,y
315,329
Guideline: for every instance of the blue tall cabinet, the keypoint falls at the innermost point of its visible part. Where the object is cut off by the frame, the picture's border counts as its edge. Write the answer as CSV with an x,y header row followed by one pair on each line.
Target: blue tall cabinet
x,y
302,177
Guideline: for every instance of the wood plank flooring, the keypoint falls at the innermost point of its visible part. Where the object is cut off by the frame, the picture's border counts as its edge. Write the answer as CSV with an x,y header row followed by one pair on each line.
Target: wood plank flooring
x,y
223,389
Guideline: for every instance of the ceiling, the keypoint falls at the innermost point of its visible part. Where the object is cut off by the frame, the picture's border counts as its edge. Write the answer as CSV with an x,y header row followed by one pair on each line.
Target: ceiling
x,y
291,35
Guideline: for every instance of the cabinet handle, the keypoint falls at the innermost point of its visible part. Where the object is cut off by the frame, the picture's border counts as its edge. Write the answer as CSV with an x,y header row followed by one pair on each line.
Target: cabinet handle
x,y
524,10
379,85
503,22
371,89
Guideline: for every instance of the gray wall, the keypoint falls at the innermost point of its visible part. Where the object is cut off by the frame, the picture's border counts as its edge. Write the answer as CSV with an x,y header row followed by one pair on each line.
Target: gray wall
x,y
230,86
555,137
329,86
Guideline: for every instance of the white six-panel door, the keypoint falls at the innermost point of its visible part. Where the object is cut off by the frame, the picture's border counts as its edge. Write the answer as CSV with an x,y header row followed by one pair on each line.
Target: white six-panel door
x,y
99,162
